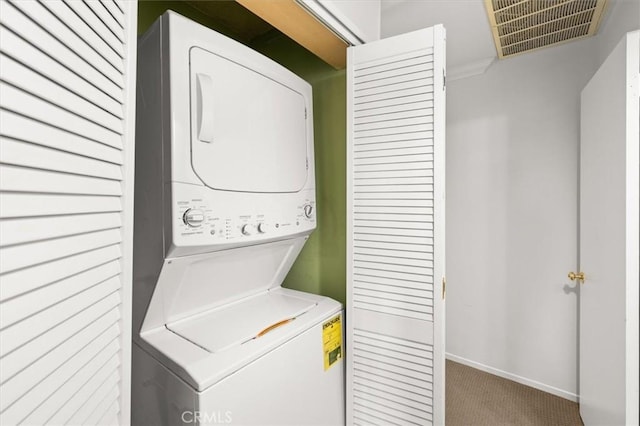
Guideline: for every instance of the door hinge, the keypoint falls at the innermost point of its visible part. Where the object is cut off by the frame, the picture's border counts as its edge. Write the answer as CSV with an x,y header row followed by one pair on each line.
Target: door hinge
x,y
305,113
444,80
444,287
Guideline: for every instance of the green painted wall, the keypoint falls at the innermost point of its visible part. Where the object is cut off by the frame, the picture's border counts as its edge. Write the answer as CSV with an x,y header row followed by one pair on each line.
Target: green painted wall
x,y
321,267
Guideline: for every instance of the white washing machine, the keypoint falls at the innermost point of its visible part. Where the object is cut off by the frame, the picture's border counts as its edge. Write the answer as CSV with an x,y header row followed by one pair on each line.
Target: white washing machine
x,y
225,200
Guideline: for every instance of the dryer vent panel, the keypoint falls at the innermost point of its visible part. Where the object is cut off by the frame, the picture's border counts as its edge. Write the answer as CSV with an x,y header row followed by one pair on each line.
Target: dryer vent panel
x,y
520,26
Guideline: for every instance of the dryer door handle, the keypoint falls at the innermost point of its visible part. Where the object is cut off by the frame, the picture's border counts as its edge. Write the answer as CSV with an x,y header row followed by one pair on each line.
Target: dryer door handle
x,y
204,100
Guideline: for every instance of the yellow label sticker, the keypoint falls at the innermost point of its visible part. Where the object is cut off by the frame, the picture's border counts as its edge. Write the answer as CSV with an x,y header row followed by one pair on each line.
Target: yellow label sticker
x,y
332,341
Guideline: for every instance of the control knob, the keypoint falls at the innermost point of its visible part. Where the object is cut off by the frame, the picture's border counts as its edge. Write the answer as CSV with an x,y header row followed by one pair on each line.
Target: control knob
x,y
262,228
247,229
193,217
308,210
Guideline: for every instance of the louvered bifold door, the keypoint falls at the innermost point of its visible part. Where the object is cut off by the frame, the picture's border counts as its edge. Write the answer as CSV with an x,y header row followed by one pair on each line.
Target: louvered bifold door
x,y
67,104
395,230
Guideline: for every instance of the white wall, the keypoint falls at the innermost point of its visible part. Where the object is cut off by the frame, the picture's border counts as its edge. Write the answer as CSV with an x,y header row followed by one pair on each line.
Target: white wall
x,y
621,17
512,206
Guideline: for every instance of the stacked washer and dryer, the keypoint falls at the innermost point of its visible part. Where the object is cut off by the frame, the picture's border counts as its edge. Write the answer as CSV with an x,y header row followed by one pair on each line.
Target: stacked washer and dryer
x,y
224,202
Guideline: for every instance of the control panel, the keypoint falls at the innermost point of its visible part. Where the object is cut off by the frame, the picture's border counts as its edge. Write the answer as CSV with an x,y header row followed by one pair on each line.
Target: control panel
x,y
235,218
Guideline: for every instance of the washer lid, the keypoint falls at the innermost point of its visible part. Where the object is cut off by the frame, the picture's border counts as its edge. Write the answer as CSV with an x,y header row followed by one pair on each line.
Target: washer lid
x,y
248,131
241,322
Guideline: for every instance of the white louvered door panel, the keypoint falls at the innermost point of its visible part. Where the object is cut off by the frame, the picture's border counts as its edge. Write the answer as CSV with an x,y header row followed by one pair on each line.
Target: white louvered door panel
x,y
67,116
395,230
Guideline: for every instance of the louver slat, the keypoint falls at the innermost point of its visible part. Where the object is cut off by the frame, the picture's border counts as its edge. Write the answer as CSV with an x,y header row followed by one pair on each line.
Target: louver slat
x,y
422,262
399,199
37,325
394,230
371,244
395,409
407,253
49,385
21,308
372,280
12,19
20,231
24,128
29,205
67,71
38,12
38,157
98,404
388,231
29,353
394,123
120,4
380,140
30,105
107,19
114,12
28,279
390,102
95,379
90,376
21,179
366,114
48,67
400,161
33,384
78,26
24,78
96,25
405,399
384,146
34,106
22,256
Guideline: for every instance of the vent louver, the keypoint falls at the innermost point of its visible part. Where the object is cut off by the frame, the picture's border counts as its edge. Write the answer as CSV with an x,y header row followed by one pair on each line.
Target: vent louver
x,y
520,26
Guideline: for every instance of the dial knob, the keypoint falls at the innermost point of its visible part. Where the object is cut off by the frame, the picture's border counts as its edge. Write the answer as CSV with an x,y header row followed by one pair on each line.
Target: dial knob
x,y
262,228
308,210
248,229
193,217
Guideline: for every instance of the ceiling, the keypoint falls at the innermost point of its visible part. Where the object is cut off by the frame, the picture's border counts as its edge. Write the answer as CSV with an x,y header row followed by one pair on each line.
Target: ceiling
x,y
469,38
470,45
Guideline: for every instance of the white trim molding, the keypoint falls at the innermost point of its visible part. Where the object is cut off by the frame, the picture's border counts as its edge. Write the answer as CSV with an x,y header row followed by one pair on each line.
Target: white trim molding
x,y
513,377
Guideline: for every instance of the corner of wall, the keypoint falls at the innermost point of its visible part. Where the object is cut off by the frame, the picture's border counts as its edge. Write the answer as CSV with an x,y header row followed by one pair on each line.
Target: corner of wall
x,y
621,17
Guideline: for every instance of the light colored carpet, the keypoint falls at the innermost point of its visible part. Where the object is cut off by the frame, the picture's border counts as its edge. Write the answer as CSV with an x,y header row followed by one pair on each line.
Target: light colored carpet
x,y
476,398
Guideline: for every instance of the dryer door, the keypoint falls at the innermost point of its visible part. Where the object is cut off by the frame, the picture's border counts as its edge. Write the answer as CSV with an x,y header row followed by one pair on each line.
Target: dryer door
x,y
248,132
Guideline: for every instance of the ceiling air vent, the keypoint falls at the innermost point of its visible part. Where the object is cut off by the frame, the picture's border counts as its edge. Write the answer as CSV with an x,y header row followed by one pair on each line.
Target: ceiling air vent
x,y
523,25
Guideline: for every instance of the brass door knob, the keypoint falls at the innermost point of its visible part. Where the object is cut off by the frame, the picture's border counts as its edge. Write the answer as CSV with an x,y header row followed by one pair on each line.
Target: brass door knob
x,y
573,276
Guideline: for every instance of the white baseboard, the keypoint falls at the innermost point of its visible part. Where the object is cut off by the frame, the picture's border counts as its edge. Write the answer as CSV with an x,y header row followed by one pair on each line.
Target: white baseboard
x,y
519,379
